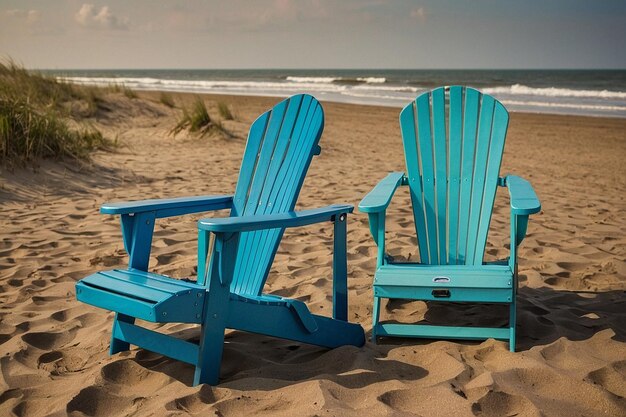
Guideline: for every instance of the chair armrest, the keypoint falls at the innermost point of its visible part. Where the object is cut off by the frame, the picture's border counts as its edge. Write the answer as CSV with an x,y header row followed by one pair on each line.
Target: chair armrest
x,y
170,207
273,221
379,198
524,201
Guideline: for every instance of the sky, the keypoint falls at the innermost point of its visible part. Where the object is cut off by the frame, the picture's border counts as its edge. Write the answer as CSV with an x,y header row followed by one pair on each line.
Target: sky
x,y
484,34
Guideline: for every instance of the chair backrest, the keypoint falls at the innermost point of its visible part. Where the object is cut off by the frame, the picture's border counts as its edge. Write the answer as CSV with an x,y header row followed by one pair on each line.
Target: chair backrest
x,y
281,144
453,144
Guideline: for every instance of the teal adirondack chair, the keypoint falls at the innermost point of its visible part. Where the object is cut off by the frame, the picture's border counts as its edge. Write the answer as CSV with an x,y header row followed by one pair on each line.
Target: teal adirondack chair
x,y
453,144
228,291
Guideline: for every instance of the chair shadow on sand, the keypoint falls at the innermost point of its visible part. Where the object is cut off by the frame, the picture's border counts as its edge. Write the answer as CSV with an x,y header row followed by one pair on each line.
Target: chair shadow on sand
x,y
249,358
545,315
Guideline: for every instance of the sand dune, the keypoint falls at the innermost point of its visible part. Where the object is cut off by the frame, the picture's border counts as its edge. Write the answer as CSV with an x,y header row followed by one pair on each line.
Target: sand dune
x,y
571,358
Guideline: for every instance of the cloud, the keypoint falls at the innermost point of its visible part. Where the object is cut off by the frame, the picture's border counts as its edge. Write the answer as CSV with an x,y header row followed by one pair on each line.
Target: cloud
x,y
88,16
419,13
28,16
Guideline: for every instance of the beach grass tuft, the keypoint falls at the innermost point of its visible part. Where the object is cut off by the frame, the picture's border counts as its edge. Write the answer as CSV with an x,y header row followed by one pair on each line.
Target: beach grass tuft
x,y
224,111
36,113
167,99
130,93
197,120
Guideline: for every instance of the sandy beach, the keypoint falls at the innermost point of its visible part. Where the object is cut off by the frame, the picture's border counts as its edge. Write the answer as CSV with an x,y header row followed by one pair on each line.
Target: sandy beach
x,y
571,358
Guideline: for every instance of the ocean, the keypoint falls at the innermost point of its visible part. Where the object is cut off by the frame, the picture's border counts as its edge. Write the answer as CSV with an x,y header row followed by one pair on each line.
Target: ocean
x,y
579,92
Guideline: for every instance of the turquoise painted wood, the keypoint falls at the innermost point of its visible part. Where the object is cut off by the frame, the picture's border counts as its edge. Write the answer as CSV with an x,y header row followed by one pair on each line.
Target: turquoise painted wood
x,y
234,254
453,144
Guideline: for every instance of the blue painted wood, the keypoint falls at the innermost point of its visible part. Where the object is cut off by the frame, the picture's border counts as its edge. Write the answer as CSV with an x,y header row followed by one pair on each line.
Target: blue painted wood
x,y
454,276
375,318
456,295
250,275
496,149
178,206
298,307
215,314
442,332
408,126
232,271
273,221
476,212
119,345
127,222
109,300
379,198
291,184
440,152
279,321
425,158
522,196
141,241
470,126
455,144
512,323
156,342
453,141
204,238
143,295
340,268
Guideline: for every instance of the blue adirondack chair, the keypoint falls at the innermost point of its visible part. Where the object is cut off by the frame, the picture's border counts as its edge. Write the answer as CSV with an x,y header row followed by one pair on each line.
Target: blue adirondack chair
x,y
453,144
234,264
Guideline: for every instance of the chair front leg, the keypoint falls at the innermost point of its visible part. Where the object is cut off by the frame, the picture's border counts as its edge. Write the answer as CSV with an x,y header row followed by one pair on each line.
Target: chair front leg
x,y
221,270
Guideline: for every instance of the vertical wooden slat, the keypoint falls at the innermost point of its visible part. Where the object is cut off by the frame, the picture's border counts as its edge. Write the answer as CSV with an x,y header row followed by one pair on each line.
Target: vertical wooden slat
x,y
248,163
258,240
454,177
441,174
283,198
470,123
278,159
428,174
496,148
480,167
266,152
283,173
409,138
259,176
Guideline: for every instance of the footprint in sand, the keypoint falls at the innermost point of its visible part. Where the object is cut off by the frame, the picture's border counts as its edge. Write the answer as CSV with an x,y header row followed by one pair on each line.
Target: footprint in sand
x,y
611,377
98,402
497,403
48,340
199,401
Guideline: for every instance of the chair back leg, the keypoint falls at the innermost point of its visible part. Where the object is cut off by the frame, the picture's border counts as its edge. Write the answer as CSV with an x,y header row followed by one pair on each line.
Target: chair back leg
x,y
512,323
375,317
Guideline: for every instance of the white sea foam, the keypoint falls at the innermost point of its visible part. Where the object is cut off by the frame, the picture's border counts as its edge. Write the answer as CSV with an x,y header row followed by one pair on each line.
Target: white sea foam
x,y
573,106
329,80
396,88
376,91
372,80
518,89
204,85
314,80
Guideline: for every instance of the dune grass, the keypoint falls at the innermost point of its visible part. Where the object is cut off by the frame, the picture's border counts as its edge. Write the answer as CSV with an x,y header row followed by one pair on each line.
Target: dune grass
x,y
36,113
196,119
167,99
224,111
130,93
